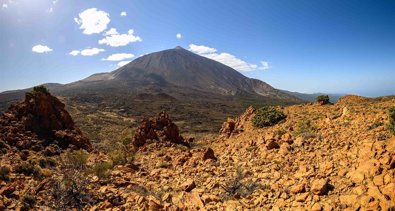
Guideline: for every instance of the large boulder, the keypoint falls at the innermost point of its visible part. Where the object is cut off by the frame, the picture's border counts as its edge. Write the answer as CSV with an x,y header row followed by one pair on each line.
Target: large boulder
x,y
159,128
41,116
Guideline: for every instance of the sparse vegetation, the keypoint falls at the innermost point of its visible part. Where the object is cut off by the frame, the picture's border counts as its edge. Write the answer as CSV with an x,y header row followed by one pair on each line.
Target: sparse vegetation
x,y
304,128
4,173
323,99
40,89
47,162
280,132
29,168
77,159
391,118
72,190
267,116
28,201
119,151
102,169
237,186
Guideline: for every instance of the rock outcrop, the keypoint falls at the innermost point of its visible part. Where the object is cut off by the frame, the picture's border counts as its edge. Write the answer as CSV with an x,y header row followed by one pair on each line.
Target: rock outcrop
x,y
239,124
159,128
39,121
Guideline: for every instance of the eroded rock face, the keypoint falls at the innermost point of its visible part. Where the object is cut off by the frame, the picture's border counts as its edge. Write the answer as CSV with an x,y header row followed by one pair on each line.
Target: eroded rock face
x,y
40,116
159,128
239,124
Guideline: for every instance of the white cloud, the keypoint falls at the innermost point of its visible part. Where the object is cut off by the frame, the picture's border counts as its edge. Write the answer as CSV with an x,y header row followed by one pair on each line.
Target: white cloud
x,y
179,36
226,58
120,64
124,13
86,52
74,52
5,6
41,49
264,65
119,57
201,49
231,61
93,21
111,32
116,40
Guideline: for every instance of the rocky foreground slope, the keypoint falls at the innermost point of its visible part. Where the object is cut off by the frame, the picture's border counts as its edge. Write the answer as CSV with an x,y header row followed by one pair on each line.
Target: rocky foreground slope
x,y
321,157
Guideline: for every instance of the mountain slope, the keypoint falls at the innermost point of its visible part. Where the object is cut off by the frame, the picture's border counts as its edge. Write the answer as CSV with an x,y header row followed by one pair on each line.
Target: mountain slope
x,y
190,87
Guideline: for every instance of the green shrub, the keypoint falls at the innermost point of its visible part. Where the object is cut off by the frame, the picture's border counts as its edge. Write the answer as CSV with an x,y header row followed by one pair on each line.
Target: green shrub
x,y
40,89
391,118
102,169
47,163
267,116
4,173
304,128
29,169
77,159
280,132
323,99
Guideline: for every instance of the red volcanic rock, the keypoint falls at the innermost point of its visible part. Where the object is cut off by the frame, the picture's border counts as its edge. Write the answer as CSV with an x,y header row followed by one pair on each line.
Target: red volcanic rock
x,y
159,128
40,116
234,126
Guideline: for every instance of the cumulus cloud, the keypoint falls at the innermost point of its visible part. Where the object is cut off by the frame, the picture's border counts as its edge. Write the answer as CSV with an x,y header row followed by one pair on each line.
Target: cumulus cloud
x,y
201,49
119,57
116,39
41,49
86,52
179,36
5,6
93,21
124,13
120,64
226,58
264,65
74,52
111,32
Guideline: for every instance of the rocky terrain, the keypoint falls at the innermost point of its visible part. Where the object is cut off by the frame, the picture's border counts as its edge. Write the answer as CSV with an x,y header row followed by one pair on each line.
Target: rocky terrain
x,y
320,157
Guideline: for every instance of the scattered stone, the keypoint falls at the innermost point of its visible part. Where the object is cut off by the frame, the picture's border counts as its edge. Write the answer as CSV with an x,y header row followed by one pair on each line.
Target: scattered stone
x,y
298,188
319,187
316,207
209,154
299,141
272,144
188,185
301,197
210,198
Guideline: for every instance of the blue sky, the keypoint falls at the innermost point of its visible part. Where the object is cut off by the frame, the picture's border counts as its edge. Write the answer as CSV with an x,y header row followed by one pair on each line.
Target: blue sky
x,y
306,46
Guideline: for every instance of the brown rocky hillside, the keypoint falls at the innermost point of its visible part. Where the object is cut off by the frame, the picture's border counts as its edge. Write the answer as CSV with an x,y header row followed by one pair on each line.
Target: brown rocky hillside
x,y
321,157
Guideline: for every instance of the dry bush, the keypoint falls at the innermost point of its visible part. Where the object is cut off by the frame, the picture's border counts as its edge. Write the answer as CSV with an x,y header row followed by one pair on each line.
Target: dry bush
x,y
102,169
72,189
238,186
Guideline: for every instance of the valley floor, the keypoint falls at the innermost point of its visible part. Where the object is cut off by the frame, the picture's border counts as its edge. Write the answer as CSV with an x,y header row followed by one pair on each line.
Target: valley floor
x,y
322,157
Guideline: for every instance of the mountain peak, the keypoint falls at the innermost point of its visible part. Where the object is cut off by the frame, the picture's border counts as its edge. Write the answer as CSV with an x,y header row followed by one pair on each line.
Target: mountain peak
x,y
179,48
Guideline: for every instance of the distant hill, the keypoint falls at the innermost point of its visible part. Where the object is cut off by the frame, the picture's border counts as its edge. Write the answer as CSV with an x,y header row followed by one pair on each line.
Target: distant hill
x,y
188,86
312,97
